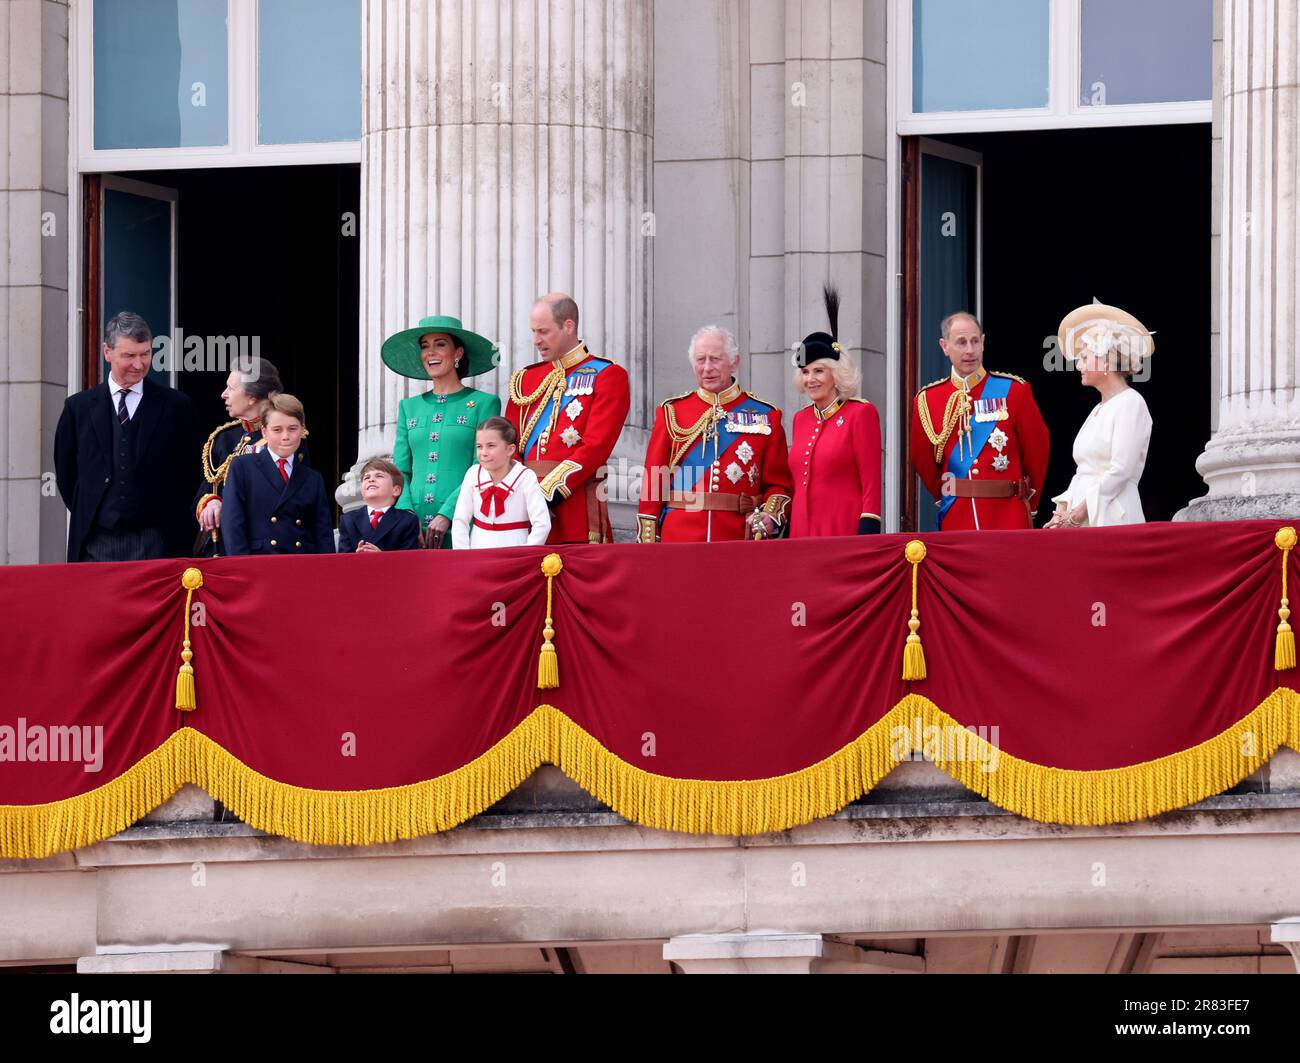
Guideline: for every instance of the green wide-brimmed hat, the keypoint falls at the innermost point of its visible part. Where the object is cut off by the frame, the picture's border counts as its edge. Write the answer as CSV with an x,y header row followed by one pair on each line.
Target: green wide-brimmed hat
x,y
401,353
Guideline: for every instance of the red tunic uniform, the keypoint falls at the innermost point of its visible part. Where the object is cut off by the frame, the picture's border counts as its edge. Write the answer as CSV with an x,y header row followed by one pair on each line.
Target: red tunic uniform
x,y
569,415
948,423
835,457
713,460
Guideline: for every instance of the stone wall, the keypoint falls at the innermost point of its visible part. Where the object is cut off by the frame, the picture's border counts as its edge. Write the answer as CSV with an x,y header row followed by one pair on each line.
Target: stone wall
x,y
34,303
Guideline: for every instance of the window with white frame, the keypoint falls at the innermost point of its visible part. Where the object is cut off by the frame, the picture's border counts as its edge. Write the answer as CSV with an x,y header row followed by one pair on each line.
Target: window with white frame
x,y
1025,64
180,83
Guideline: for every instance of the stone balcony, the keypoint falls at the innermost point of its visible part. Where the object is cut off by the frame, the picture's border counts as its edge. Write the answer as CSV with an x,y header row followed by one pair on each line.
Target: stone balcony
x,y
919,875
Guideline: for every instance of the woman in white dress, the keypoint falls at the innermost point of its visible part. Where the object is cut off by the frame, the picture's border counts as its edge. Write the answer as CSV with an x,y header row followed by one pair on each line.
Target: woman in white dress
x,y
1110,450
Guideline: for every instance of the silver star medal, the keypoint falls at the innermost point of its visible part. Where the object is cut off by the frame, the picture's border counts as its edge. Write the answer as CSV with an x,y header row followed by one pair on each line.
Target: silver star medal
x,y
570,437
574,410
745,453
998,439
1001,463
734,472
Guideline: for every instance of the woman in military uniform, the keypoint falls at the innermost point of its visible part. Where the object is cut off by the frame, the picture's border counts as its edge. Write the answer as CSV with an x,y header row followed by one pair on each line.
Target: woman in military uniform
x,y
244,395
434,447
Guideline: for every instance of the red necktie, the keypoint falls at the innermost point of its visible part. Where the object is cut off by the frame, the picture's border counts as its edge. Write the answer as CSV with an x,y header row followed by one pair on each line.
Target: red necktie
x,y
282,462
494,498
374,519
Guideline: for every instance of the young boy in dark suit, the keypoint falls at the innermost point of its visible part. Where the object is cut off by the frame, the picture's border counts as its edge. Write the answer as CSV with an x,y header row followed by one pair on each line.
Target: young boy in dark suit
x,y
379,526
273,503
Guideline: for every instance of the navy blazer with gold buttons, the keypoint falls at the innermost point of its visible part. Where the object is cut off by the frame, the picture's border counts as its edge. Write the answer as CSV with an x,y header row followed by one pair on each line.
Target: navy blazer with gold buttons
x,y
261,514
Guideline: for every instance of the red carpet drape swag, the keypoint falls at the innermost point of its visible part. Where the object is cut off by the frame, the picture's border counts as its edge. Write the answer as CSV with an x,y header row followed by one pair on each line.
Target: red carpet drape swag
x,y
1073,676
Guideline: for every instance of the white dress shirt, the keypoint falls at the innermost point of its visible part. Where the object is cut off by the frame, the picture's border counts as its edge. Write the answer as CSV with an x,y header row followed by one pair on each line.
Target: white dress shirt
x,y
133,395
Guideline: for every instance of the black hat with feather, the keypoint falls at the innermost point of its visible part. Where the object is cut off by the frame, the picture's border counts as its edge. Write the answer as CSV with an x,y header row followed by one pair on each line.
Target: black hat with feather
x,y
821,345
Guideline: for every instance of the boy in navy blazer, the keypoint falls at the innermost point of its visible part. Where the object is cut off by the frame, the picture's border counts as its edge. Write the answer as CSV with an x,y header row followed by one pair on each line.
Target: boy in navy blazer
x,y
379,527
273,503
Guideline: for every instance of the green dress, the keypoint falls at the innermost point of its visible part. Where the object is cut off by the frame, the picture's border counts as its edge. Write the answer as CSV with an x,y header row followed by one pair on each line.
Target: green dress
x,y
435,448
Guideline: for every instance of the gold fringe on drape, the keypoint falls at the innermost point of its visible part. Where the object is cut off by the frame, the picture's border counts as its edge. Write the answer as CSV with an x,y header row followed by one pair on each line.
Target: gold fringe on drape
x,y
759,806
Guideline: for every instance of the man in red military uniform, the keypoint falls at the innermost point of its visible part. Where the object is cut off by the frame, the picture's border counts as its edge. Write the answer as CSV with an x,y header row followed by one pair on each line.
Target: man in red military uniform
x,y
717,467
979,443
569,409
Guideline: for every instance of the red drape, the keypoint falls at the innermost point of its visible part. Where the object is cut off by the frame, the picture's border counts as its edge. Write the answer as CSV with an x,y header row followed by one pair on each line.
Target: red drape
x,y
742,661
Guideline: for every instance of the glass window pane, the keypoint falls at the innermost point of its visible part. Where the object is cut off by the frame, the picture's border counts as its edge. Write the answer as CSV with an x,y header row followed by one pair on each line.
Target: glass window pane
x,y
161,77
309,71
979,56
138,261
1156,51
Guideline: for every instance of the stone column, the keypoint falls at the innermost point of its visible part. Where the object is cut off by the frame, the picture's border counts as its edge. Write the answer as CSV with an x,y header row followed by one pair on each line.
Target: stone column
x,y
33,275
506,152
1287,934
1252,463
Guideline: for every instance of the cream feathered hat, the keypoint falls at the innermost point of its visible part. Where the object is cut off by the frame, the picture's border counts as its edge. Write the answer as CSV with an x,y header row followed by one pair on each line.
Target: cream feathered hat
x,y
1106,330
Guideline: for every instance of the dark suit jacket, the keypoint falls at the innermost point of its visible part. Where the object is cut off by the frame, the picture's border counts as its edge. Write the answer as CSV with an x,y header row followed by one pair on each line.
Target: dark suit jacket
x,y
261,514
399,529
225,441
166,451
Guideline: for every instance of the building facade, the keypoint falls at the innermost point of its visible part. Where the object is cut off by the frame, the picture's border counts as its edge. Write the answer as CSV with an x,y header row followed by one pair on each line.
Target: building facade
x,y
672,163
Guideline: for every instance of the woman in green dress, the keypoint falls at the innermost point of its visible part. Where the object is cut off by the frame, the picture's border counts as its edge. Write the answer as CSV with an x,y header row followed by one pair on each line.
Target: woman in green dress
x,y
435,431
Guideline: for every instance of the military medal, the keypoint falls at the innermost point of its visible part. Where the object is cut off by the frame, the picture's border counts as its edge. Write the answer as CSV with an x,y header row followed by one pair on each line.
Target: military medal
x,y
998,440
574,410
745,452
570,437
748,423
583,382
990,410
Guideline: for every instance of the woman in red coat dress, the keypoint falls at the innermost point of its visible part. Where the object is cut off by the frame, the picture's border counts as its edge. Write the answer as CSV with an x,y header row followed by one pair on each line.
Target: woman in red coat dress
x,y
835,442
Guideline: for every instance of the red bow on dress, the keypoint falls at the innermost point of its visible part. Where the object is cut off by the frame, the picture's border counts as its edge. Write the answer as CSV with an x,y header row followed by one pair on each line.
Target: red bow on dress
x,y
494,498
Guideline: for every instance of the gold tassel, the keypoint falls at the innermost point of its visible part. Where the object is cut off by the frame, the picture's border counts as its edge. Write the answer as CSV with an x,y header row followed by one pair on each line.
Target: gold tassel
x,y
191,581
913,653
1284,649
548,665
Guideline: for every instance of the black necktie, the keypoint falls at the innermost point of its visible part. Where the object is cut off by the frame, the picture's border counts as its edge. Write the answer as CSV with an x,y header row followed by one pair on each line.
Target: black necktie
x,y
122,415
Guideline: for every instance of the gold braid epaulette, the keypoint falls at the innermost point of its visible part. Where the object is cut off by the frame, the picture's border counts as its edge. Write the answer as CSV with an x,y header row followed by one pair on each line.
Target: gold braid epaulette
x,y
684,439
556,378
952,415
217,476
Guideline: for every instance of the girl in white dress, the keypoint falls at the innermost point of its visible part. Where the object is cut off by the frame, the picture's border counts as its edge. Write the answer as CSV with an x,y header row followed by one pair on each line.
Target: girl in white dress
x,y
1110,450
501,502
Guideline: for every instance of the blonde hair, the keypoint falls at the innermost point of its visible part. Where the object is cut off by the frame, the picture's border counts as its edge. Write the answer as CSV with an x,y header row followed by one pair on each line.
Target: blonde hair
x,y
281,402
844,374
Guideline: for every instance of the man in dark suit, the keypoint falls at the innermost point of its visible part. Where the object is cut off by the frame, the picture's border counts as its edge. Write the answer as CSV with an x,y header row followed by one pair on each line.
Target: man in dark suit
x,y
124,455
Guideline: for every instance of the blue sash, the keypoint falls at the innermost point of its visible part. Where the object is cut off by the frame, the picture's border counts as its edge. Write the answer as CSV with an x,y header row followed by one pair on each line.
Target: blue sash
x,y
695,464
963,457
581,376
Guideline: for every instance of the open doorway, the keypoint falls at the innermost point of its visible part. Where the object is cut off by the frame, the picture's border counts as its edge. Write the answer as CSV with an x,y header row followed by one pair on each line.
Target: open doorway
x,y
1064,217
264,254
